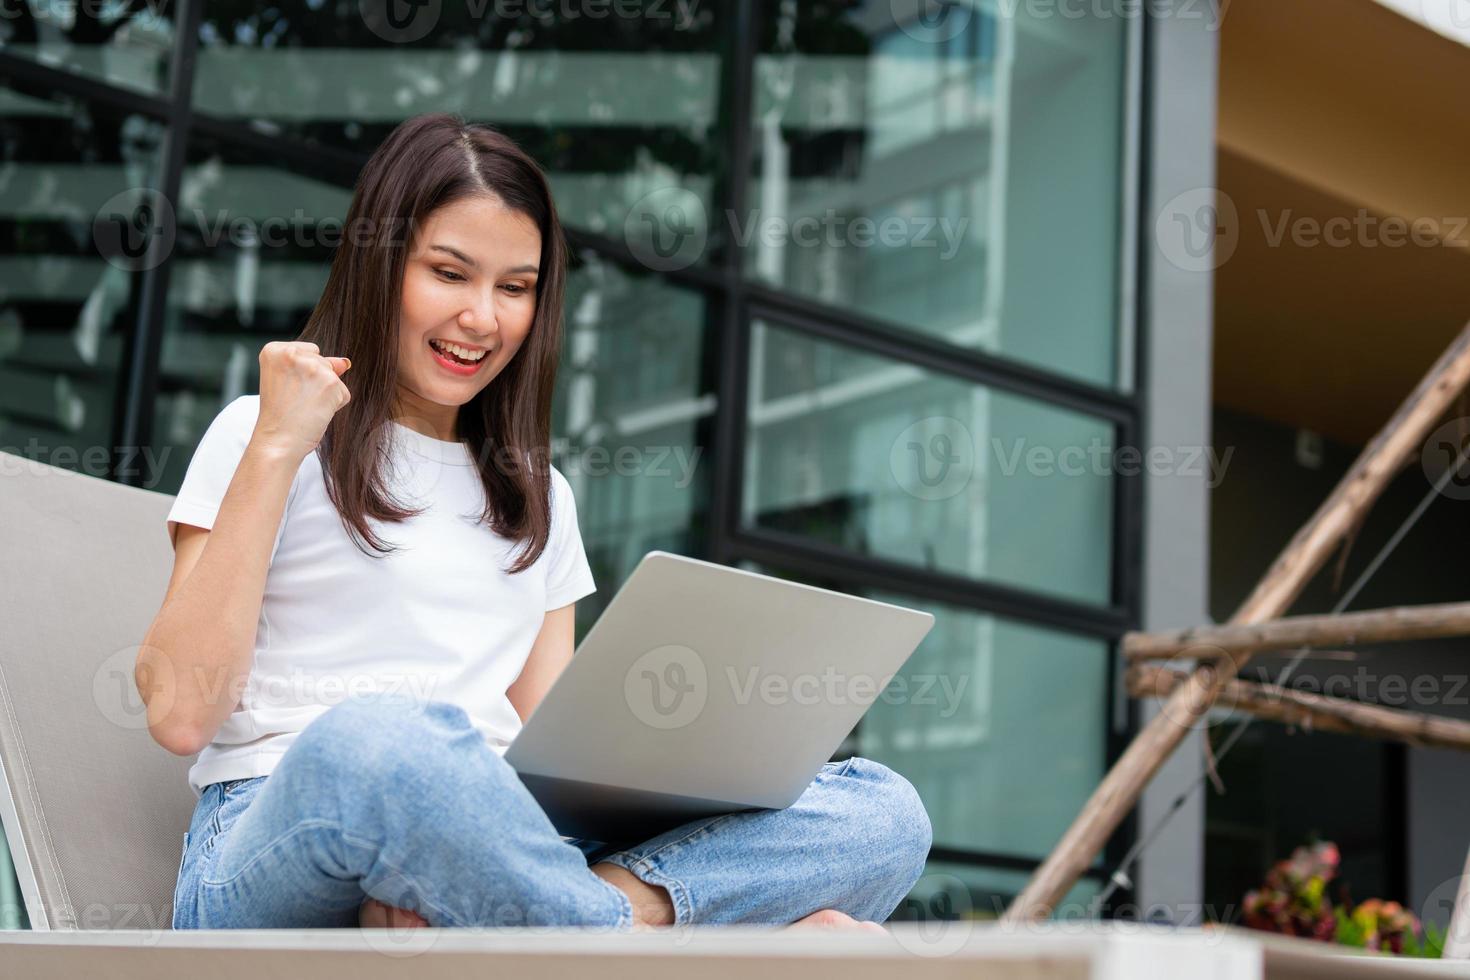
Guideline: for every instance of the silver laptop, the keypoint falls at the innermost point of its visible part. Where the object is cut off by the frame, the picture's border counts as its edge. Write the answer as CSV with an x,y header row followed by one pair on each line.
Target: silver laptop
x,y
705,690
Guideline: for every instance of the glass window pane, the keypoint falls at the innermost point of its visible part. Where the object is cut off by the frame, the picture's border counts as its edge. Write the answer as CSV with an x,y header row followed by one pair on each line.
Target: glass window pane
x,y
77,209
254,245
959,176
1000,725
127,44
614,107
889,460
1003,753
633,418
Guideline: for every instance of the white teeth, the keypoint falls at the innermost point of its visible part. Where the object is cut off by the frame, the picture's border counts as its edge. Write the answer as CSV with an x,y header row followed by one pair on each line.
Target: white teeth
x,y
458,351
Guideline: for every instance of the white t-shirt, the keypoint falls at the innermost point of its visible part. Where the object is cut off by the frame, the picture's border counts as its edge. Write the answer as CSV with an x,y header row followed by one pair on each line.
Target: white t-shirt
x,y
438,619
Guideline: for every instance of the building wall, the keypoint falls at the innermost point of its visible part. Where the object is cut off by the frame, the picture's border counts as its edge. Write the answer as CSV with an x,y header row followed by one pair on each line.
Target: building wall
x,y
1178,303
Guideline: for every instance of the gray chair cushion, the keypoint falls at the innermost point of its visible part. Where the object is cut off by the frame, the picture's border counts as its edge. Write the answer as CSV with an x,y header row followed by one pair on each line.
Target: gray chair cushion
x,y
96,809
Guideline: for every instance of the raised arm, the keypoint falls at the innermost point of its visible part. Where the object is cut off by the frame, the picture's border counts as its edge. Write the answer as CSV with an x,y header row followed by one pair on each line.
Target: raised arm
x,y
196,656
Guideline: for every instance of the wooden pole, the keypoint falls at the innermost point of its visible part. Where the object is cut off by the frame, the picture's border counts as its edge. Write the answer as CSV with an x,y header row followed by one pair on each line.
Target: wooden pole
x,y
1377,626
1390,450
1316,712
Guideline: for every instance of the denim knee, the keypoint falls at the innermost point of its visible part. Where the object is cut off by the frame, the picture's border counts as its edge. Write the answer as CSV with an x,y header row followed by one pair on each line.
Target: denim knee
x,y
895,802
379,736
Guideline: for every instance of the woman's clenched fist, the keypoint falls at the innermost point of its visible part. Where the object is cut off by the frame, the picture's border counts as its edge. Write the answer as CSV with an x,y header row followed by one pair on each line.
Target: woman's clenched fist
x,y
300,391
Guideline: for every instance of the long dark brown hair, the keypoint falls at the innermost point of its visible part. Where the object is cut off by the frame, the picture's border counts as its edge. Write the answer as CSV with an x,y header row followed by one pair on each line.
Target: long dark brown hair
x,y
425,163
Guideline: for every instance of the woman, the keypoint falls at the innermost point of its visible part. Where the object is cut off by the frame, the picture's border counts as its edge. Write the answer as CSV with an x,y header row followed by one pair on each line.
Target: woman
x,y
374,583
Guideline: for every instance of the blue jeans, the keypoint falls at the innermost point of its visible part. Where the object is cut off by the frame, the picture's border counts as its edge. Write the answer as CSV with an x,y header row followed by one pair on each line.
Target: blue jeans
x,y
404,801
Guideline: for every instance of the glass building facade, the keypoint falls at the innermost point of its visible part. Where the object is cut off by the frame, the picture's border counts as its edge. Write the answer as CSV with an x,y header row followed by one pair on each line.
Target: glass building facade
x,y
850,304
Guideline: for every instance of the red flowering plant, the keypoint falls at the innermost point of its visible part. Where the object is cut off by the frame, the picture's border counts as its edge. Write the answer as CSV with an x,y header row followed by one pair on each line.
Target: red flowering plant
x,y
1382,925
1294,902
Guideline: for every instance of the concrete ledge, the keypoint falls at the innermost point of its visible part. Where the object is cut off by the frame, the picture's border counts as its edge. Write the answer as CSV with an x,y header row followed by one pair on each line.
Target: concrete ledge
x,y
1056,951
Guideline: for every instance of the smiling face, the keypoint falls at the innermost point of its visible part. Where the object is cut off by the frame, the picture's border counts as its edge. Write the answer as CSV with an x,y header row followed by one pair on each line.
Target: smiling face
x,y
469,298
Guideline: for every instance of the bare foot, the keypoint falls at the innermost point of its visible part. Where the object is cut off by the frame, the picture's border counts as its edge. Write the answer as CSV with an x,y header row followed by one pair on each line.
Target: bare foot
x,y
651,903
833,919
374,914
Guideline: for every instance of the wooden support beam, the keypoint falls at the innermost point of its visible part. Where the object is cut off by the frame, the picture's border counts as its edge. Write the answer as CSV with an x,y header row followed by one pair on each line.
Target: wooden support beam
x,y
1304,555
1377,626
1316,712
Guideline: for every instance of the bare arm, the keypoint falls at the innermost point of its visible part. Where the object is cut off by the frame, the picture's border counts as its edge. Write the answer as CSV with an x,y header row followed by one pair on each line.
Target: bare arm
x,y
197,654
549,656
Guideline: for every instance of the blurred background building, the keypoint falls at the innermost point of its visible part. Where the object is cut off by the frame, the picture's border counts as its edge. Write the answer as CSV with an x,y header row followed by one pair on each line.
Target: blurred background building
x,y
865,294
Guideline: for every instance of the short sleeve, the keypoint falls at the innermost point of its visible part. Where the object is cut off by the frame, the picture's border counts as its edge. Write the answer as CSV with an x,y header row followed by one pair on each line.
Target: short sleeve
x,y
568,576
213,466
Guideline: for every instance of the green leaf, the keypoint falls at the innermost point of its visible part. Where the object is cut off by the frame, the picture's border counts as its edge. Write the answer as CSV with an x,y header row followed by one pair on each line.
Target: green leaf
x,y
1349,933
